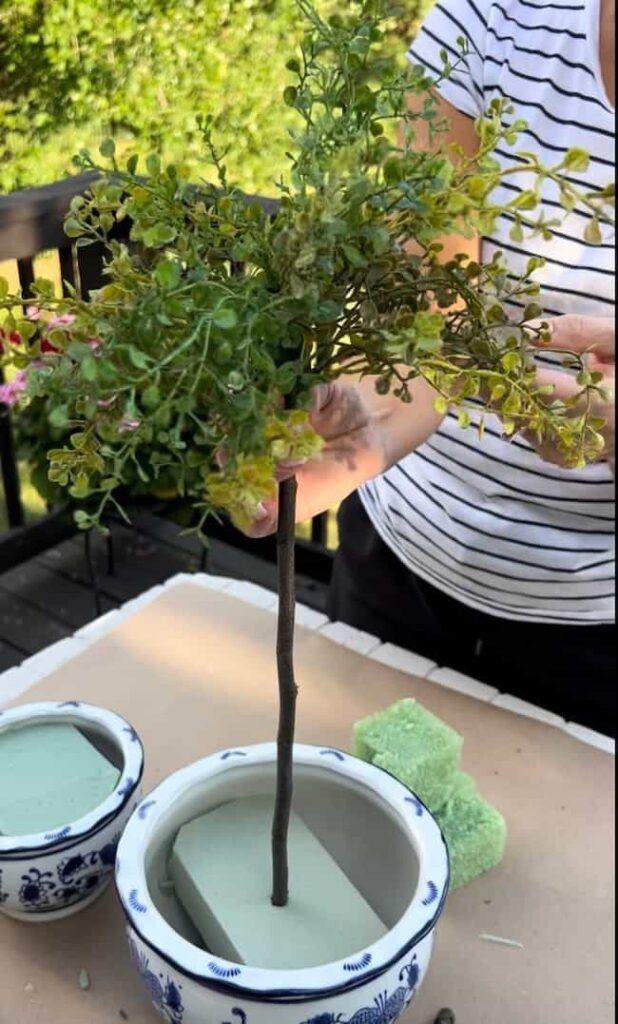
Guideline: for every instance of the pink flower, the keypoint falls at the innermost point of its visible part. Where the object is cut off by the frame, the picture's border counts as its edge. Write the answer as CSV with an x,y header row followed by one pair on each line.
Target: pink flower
x,y
15,338
94,343
105,403
127,425
33,312
11,391
60,321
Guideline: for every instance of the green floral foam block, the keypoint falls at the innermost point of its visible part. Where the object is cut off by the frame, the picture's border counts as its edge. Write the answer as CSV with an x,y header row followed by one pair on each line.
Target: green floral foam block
x,y
414,746
475,832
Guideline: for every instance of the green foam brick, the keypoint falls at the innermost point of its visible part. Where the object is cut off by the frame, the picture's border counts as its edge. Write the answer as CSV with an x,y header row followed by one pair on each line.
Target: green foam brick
x,y
414,746
50,775
475,832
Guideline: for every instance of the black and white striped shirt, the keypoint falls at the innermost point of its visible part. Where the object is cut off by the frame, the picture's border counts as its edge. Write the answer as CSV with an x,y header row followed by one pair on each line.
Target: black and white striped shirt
x,y
487,521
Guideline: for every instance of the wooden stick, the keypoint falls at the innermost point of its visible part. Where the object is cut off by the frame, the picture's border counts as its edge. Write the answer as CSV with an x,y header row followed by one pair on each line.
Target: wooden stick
x,y
287,689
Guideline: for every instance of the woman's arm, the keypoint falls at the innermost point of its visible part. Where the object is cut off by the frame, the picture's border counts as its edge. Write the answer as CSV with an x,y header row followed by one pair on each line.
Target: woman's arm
x,y
461,132
365,433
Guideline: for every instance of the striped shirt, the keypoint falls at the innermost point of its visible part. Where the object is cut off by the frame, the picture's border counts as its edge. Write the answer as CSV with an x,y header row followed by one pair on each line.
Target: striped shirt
x,y
487,521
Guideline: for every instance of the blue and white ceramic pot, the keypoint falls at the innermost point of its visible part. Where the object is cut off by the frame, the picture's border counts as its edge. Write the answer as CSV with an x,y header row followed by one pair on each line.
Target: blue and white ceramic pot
x,y
49,875
381,835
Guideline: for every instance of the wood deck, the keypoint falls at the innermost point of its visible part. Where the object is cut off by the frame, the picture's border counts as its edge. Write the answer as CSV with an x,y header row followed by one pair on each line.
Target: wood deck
x,y
50,596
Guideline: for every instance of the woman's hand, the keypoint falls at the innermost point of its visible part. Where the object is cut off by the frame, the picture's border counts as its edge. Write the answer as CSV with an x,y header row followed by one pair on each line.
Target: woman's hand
x,y
594,338
364,434
353,452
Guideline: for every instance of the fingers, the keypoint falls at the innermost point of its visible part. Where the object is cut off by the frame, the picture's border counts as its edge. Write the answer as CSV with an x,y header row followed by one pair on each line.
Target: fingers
x,y
286,470
580,334
340,415
265,522
564,384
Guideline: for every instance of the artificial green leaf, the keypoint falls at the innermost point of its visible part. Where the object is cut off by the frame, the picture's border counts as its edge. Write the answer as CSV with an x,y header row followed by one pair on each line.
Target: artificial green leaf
x,y
107,149
138,358
159,235
88,368
72,228
225,318
576,159
167,274
592,233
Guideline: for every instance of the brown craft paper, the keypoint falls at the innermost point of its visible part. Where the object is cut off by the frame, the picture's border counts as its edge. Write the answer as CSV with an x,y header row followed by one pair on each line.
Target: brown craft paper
x,y
194,673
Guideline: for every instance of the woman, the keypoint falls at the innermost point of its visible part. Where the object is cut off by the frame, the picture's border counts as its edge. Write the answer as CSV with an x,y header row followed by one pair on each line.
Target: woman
x,y
487,555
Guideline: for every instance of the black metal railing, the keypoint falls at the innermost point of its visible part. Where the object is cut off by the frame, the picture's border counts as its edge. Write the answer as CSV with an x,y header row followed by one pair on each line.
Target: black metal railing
x,y
31,222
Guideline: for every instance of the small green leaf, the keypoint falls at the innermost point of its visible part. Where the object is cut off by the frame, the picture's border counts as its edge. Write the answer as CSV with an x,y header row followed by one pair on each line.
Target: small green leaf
x,y
510,361
153,165
88,368
576,159
527,200
167,274
59,416
354,256
72,228
151,397
392,170
534,263
81,487
592,233
533,311
107,149
138,358
359,46
496,314
225,318
158,235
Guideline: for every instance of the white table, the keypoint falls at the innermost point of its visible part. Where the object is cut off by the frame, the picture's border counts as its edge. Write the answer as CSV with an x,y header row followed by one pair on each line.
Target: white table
x,y
182,660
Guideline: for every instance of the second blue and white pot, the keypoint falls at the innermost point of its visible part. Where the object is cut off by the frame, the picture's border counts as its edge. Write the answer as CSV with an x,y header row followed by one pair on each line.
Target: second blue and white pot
x,y
47,876
381,835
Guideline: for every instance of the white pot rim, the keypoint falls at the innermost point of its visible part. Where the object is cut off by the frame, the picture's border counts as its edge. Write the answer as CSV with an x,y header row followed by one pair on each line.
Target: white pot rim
x,y
78,713
260,984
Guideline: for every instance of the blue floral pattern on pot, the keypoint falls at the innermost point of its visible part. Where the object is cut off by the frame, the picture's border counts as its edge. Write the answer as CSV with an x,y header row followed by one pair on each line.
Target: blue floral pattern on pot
x,y
387,1008
164,993
76,876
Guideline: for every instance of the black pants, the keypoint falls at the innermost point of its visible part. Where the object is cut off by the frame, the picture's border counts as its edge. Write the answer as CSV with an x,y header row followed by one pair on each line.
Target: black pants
x,y
567,669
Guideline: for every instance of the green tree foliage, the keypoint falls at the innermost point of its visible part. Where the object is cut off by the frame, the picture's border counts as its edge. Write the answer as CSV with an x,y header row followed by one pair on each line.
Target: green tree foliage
x,y
73,72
